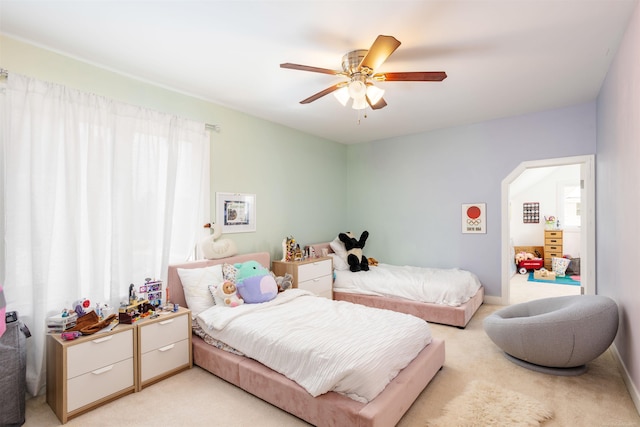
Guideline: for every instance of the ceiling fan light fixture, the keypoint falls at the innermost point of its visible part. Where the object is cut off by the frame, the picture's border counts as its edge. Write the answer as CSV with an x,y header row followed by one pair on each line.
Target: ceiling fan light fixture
x,y
357,87
374,94
342,95
359,103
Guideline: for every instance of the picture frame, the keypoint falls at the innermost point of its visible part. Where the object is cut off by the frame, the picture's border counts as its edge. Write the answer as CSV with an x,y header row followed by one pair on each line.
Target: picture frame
x,y
474,218
531,212
236,212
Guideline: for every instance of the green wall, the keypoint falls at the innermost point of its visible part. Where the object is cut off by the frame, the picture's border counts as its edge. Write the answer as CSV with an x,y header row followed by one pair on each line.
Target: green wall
x,y
298,179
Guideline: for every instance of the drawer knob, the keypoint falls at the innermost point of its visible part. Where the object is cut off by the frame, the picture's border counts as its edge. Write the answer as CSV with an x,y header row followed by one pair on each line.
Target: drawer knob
x,y
102,370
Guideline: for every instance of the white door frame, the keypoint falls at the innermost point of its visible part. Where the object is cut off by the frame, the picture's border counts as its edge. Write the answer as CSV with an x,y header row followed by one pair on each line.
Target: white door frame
x,y
588,215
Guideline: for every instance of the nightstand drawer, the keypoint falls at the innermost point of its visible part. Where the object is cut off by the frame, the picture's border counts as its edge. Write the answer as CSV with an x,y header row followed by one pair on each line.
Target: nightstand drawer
x,y
313,270
99,383
164,359
163,332
321,286
101,351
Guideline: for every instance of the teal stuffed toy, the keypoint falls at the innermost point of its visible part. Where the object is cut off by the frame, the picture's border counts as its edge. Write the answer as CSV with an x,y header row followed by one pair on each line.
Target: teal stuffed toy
x,y
254,282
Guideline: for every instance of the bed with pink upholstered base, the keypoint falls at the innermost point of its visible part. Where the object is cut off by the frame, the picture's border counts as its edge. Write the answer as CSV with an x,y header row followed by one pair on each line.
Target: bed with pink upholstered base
x,y
436,313
329,409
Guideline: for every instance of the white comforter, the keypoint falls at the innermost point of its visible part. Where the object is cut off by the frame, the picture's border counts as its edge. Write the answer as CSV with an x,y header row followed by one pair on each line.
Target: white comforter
x,y
434,285
321,344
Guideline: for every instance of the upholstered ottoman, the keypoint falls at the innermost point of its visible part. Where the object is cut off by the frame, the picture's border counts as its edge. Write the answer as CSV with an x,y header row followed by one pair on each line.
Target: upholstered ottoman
x,y
555,335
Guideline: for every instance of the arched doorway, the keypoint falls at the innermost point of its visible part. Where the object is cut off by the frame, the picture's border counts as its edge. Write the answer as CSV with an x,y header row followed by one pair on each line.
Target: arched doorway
x,y
587,239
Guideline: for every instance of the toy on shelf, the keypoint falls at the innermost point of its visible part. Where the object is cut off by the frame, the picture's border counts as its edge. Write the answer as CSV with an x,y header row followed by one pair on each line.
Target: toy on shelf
x,y
152,291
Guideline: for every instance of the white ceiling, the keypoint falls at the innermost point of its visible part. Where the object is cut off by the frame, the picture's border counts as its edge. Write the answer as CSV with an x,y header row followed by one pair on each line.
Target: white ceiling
x,y
502,57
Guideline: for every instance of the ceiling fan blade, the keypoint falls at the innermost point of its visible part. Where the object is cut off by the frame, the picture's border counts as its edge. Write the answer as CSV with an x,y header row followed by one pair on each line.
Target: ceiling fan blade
x,y
322,93
413,76
308,68
379,51
378,105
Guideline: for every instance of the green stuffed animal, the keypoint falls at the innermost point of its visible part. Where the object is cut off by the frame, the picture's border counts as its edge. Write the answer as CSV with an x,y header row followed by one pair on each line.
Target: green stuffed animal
x,y
255,283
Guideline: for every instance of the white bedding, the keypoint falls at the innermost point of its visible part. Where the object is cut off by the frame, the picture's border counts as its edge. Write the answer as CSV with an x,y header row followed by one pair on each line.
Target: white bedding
x,y
451,287
321,344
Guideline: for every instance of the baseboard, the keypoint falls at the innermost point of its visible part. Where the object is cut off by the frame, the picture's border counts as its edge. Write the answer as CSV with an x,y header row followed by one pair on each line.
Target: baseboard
x,y
633,391
488,299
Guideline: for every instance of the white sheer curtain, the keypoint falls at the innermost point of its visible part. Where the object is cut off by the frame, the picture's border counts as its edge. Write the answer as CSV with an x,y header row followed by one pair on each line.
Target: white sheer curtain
x,y
97,195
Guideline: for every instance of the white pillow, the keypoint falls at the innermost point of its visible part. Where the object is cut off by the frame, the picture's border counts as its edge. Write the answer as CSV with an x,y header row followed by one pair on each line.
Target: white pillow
x,y
338,263
195,283
338,247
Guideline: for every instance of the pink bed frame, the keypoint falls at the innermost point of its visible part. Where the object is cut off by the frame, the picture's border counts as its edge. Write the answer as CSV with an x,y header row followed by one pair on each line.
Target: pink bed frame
x,y
436,313
329,409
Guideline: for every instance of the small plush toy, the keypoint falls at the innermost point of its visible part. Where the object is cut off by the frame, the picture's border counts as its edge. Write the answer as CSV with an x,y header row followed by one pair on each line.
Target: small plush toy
x,y
372,261
255,283
523,256
284,282
356,260
227,291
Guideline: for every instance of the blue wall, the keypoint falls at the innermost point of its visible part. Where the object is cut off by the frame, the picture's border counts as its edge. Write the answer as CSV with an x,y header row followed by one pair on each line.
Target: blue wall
x,y
408,191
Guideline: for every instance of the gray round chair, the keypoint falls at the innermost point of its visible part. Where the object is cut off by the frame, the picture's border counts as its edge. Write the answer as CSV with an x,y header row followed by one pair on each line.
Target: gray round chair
x,y
557,335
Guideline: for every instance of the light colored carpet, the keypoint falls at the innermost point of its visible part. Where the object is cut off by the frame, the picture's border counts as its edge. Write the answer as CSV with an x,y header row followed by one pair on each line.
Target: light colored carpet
x,y
196,398
484,404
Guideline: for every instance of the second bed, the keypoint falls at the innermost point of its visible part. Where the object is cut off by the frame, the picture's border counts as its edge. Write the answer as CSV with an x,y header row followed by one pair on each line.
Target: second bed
x,y
449,297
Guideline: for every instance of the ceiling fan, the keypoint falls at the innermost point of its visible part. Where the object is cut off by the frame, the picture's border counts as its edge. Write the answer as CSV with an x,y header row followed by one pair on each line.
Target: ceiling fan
x,y
359,66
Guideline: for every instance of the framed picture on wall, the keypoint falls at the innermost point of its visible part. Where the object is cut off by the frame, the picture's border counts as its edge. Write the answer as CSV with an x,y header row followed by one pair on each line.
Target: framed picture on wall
x,y
531,212
474,218
236,212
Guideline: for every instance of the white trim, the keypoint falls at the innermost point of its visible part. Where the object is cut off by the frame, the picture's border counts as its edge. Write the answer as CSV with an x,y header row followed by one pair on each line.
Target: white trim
x,y
587,230
624,373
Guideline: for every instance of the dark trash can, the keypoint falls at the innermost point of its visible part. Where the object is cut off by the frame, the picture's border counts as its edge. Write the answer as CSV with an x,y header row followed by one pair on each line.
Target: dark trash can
x,y
13,368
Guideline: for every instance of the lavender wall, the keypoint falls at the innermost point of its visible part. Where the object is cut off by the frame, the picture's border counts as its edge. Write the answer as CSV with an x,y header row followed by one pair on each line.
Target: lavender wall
x,y
407,192
618,200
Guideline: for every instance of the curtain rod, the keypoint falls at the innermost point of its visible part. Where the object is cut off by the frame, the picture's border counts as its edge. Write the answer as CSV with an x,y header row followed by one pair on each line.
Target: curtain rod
x,y
5,73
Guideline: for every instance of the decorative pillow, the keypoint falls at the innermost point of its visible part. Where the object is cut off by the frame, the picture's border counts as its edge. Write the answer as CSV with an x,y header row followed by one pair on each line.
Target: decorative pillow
x,y
338,263
195,284
229,272
213,290
338,247
559,265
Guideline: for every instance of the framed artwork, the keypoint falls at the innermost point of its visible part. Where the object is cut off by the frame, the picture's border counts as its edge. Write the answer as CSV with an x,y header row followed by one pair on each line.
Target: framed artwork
x,y
474,218
236,212
531,212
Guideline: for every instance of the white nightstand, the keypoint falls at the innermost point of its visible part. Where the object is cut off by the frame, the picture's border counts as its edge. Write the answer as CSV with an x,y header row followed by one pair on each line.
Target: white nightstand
x,y
90,371
164,346
314,274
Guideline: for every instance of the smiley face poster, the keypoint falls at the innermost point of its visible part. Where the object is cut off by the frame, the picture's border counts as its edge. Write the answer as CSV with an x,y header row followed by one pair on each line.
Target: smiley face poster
x,y
474,218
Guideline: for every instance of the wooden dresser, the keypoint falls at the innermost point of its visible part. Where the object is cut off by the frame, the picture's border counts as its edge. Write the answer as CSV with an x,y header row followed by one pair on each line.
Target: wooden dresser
x,y
314,274
552,246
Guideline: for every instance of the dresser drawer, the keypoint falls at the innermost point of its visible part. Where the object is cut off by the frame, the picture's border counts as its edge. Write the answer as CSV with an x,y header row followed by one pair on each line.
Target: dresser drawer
x,y
313,270
549,255
164,359
163,332
99,383
553,234
552,249
553,241
101,351
321,286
